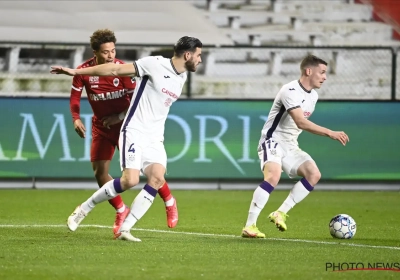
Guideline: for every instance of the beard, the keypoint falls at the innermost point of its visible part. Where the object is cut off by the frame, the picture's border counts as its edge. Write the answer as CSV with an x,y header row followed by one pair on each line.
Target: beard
x,y
190,66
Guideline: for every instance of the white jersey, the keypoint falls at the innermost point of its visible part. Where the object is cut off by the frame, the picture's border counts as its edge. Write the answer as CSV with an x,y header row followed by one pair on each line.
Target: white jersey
x,y
158,85
280,124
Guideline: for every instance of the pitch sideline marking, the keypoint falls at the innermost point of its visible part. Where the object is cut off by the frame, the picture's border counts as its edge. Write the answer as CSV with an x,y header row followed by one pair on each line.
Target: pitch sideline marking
x,y
215,235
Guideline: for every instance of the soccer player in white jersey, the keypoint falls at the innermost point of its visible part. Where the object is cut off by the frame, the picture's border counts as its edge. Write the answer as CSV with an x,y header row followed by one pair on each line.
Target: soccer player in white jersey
x,y
278,147
159,83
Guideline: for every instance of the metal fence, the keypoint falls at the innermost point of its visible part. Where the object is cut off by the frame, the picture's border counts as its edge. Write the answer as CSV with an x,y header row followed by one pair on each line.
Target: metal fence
x,y
235,72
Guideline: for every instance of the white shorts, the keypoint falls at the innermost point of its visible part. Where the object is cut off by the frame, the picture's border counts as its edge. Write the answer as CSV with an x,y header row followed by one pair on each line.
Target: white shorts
x,y
286,153
138,153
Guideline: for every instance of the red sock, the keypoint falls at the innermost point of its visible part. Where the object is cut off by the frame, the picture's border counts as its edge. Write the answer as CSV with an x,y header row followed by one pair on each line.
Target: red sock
x,y
116,202
164,192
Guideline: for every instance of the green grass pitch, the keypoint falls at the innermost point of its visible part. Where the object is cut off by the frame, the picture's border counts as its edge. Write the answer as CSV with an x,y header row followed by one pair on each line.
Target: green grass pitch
x,y
36,244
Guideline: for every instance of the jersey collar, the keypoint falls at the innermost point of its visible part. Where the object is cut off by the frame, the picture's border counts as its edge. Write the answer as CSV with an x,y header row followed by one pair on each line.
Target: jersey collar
x,y
173,67
303,88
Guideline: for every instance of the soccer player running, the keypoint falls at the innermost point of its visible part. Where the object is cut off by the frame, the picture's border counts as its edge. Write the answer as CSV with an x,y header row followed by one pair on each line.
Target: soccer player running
x,y
159,84
109,98
278,147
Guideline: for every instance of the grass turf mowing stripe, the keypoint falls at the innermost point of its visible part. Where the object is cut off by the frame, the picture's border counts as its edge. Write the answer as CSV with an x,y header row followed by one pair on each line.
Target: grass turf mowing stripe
x,y
215,235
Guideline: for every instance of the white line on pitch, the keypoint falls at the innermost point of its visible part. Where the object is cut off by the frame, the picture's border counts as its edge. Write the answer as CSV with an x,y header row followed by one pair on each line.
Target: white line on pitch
x,y
214,235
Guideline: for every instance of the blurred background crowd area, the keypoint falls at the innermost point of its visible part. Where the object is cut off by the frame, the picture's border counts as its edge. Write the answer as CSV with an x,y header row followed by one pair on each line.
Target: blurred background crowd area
x,y
251,47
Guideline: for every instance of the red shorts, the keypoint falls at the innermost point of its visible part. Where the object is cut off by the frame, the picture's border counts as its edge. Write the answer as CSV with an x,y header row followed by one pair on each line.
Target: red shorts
x,y
104,142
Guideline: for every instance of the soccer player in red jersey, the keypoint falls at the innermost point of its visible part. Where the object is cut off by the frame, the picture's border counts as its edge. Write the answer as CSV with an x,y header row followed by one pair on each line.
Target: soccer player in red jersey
x,y
109,98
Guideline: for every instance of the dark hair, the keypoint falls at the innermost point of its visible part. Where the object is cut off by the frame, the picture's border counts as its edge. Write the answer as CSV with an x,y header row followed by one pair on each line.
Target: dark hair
x,y
100,37
311,61
186,44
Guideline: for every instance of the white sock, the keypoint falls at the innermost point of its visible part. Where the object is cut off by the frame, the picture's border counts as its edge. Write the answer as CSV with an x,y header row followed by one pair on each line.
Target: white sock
x,y
139,207
106,192
122,209
170,201
260,198
299,191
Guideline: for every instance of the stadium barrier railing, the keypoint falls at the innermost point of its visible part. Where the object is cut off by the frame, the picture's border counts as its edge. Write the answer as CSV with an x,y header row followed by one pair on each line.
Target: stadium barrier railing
x,y
227,72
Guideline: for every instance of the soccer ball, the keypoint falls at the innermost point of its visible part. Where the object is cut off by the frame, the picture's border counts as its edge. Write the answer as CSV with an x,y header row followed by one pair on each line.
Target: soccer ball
x,y
342,226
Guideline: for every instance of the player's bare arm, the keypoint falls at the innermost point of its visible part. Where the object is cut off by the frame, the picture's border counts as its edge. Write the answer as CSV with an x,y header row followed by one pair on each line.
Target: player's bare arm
x,y
113,119
108,69
304,124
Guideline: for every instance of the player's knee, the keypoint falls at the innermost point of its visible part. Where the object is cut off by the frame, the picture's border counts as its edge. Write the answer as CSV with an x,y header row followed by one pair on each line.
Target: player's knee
x,y
272,173
100,168
313,176
156,181
100,174
272,179
310,171
272,176
129,181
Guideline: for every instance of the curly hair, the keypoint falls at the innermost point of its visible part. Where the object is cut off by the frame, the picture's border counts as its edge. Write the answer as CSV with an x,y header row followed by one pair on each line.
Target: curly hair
x,y
100,37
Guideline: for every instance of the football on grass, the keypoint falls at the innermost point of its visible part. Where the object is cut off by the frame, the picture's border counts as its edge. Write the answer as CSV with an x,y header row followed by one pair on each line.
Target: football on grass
x,y
342,226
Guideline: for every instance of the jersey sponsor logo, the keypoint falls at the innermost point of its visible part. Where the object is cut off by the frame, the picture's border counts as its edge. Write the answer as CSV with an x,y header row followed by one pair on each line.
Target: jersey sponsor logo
x,y
170,93
108,95
116,82
168,102
94,86
291,89
94,79
167,77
